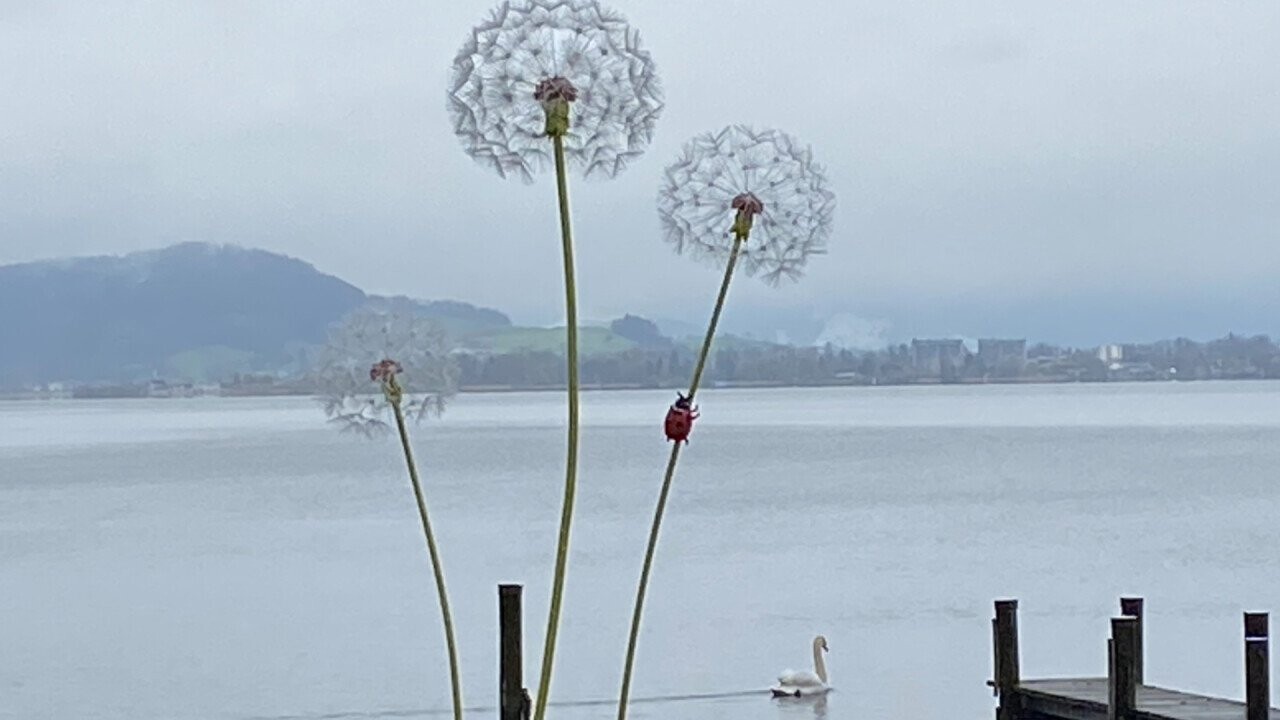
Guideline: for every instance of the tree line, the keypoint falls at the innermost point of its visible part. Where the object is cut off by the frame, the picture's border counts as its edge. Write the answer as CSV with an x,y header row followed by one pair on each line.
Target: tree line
x,y
1231,357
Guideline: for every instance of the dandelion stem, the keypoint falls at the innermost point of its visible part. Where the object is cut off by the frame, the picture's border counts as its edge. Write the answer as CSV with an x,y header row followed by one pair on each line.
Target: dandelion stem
x,y
715,317
571,463
436,567
666,482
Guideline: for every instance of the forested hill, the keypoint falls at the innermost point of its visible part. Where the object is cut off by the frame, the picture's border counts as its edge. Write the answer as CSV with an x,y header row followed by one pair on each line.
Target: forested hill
x,y
195,310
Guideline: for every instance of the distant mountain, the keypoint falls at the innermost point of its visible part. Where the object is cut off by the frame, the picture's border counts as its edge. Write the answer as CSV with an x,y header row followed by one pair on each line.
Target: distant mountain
x,y
205,313
195,311
118,318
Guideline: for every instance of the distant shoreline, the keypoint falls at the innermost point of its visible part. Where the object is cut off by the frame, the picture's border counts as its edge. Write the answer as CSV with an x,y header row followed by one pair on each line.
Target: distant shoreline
x,y
616,387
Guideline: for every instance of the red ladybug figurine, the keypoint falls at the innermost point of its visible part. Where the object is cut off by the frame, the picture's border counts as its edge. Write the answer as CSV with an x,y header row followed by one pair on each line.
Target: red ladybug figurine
x,y
680,419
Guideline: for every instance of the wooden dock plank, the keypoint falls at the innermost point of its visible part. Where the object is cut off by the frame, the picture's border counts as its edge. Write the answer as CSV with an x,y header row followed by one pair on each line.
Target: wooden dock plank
x,y
1086,699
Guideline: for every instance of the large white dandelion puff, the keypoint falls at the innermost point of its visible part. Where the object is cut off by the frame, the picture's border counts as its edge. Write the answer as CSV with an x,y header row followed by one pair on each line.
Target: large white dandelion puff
x,y
531,53
765,177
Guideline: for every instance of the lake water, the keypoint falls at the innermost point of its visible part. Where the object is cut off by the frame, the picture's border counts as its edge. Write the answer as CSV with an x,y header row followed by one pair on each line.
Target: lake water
x,y
238,558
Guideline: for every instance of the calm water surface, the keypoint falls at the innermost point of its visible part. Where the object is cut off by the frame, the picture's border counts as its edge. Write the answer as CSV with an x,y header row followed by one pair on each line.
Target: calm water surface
x,y
237,558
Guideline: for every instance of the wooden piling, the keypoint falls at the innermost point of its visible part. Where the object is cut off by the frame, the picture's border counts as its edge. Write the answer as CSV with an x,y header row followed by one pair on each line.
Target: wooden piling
x,y
1132,607
1122,671
1007,672
512,697
1257,670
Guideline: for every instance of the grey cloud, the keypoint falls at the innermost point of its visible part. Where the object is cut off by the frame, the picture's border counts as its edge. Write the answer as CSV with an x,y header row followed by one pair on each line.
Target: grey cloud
x,y
991,48
1008,152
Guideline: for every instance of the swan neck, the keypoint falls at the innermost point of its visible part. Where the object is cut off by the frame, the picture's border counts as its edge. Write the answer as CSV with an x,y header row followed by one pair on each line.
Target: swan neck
x,y
819,666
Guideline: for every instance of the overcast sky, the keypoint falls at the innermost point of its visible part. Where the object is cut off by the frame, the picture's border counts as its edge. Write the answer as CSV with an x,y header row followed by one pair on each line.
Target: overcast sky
x,y
1065,170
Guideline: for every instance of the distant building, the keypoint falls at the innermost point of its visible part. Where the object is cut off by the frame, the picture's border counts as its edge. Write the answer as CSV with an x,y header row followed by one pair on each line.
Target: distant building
x,y
1132,371
1002,358
1111,353
158,388
938,358
57,390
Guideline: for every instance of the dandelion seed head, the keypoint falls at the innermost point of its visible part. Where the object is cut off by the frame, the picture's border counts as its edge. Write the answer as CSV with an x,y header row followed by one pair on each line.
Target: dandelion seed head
x,y
385,370
372,347
553,89
765,175
529,52
747,203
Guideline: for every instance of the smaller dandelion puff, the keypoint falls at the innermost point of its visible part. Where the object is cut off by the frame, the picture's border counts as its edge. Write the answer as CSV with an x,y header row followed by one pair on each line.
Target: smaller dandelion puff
x,y
533,58
761,184
376,357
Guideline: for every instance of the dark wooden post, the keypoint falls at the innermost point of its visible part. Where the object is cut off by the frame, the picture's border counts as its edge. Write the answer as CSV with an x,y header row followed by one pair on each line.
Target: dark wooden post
x,y
1132,606
1122,681
1007,671
511,694
1257,670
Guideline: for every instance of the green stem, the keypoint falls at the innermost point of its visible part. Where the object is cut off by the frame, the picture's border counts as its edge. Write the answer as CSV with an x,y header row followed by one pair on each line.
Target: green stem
x,y
436,566
571,463
698,369
715,317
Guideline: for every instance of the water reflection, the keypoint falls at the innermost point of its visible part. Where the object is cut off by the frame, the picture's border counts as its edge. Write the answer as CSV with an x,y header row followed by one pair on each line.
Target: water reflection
x,y
795,707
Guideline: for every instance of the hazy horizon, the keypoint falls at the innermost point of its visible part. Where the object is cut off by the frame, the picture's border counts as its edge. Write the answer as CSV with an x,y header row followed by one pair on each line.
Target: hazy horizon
x,y
808,326
1078,174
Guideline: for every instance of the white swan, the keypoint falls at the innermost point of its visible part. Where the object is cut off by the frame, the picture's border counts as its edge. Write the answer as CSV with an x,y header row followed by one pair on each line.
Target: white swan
x,y
803,683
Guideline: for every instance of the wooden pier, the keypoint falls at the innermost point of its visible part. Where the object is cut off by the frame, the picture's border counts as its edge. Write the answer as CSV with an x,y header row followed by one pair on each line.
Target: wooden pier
x,y
1123,694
